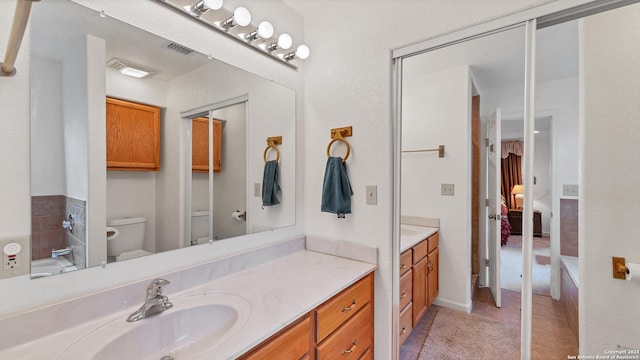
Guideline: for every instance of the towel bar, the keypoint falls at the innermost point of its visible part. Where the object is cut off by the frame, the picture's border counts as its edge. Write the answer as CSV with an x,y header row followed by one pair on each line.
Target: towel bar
x,y
272,143
339,134
20,19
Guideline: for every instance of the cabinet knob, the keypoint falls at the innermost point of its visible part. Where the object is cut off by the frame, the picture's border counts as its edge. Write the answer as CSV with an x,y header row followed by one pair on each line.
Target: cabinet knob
x,y
403,295
403,266
404,331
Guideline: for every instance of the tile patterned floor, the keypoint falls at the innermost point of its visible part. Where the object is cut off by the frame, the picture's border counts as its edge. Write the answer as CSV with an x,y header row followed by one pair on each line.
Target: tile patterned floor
x,y
551,336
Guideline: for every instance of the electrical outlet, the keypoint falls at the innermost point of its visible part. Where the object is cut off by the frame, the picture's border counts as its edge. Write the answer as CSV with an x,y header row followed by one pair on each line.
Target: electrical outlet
x,y
447,189
372,194
570,190
257,190
10,258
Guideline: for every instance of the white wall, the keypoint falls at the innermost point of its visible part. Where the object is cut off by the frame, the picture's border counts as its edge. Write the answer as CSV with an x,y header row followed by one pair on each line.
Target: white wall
x,y
47,138
436,109
542,188
609,179
348,82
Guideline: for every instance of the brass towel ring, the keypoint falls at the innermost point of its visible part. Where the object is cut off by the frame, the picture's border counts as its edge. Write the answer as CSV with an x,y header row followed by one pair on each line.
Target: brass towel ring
x,y
272,144
338,137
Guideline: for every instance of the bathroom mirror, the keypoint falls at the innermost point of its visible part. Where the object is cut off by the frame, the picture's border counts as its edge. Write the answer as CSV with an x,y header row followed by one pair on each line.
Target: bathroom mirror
x,y
77,56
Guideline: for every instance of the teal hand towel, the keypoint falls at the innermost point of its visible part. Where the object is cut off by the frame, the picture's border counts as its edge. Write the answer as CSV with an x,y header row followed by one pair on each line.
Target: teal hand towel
x,y
270,186
336,189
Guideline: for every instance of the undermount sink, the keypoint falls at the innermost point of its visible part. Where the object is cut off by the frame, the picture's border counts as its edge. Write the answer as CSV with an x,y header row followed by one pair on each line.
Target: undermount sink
x,y
195,325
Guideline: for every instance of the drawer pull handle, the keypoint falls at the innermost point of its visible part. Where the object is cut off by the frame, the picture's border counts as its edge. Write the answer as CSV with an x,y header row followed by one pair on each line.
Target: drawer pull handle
x,y
404,295
345,309
404,266
404,331
350,350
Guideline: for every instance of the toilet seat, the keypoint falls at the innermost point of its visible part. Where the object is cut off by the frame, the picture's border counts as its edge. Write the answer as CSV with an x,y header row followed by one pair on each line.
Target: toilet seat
x,y
132,255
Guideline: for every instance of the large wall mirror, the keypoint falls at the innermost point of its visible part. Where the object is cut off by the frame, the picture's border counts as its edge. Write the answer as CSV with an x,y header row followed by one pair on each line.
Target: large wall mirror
x,y
83,107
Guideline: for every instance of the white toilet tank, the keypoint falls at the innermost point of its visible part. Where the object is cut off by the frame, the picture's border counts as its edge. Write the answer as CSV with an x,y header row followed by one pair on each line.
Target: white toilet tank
x,y
199,226
129,235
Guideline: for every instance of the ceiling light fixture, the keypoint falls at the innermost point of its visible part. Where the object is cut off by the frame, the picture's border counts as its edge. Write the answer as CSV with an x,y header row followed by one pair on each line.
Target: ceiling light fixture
x,y
264,31
241,17
203,6
130,69
302,52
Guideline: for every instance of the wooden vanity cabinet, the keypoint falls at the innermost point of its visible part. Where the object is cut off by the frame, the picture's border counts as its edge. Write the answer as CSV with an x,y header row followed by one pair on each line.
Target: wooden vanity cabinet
x,y
200,145
294,342
133,136
340,328
423,274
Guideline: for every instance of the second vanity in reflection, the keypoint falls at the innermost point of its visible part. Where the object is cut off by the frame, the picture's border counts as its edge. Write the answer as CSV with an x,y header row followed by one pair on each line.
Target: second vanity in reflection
x,y
419,272
282,301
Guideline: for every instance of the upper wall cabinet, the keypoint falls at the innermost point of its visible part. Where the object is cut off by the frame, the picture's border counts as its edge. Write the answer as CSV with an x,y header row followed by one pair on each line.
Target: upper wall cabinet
x,y
133,136
200,145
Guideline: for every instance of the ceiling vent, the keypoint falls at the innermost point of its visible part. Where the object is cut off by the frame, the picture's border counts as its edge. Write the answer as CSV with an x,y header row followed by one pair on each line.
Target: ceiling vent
x,y
179,48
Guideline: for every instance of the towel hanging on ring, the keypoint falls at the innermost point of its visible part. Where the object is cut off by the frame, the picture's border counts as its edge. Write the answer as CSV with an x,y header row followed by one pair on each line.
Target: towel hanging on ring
x,y
336,188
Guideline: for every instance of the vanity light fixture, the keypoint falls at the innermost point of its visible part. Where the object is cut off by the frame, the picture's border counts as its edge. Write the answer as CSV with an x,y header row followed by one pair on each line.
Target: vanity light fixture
x,y
264,31
241,17
229,23
302,52
203,6
284,42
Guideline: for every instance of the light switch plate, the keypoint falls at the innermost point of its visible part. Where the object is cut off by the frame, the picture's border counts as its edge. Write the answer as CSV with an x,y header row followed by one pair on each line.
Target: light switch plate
x,y
447,189
257,190
570,190
372,194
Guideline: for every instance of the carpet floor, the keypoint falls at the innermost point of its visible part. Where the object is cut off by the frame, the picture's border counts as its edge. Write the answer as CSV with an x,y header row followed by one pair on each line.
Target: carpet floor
x,y
511,267
458,335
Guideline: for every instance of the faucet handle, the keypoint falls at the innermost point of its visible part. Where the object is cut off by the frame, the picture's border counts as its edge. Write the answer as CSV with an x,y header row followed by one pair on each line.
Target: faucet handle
x,y
155,288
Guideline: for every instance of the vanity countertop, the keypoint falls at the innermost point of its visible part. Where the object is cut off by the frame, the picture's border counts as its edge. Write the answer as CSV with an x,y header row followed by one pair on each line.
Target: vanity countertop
x,y
278,292
413,234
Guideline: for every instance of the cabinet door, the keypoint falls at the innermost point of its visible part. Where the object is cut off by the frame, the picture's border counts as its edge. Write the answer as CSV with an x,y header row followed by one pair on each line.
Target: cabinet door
x,y
433,273
133,136
293,343
419,290
200,145
351,340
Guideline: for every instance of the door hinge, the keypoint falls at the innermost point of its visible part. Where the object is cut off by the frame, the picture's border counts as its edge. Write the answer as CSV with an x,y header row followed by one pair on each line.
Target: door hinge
x,y
487,202
486,262
486,141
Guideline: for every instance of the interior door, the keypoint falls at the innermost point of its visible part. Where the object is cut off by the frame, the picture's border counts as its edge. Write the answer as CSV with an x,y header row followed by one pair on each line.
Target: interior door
x,y
493,210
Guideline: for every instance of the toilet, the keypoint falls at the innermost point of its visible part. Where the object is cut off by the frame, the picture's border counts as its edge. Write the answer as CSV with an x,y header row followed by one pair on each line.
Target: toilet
x,y
199,227
125,238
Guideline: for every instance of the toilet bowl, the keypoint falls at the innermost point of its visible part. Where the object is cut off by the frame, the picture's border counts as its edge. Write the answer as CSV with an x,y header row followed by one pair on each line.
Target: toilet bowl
x,y
125,238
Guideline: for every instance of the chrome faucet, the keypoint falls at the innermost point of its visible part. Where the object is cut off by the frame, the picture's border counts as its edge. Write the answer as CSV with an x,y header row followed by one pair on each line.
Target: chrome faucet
x,y
155,302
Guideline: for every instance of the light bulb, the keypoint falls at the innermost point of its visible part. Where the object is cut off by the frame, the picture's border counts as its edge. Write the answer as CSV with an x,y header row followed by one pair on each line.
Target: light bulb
x,y
285,41
213,4
242,16
302,52
265,30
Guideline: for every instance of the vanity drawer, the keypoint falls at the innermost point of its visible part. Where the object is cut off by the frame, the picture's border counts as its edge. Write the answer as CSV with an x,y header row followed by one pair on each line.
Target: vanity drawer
x,y
351,340
420,251
433,242
343,306
406,288
293,343
406,322
405,261
368,355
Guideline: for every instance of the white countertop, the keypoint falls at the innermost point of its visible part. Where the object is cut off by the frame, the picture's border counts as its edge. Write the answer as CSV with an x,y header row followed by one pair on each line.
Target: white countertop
x,y
410,235
278,292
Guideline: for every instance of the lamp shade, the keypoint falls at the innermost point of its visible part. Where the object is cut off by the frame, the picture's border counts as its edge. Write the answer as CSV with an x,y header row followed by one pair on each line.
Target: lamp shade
x,y
517,189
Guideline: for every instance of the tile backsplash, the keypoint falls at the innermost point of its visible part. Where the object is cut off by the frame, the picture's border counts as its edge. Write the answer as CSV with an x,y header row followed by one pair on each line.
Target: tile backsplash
x,y
47,233
569,227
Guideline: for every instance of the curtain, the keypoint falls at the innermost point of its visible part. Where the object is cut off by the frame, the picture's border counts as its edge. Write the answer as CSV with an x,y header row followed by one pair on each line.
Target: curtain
x,y
511,174
512,147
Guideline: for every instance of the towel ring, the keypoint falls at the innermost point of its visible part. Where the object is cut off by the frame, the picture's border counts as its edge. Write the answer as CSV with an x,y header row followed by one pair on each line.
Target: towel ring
x,y
338,137
271,145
